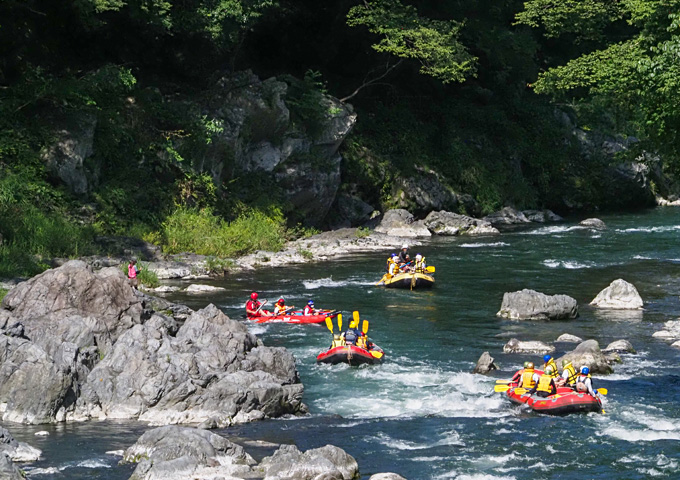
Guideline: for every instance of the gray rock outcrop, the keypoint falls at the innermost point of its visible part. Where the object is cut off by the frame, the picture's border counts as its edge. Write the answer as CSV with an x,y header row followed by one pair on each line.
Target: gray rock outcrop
x,y
424,191
485,364
386,476
77,345
542,216
507,216
400,223
447,223
531,305
670,332
179,453
17,451
533,346
587,354
619,295
329,462
619,346
8,470
595,223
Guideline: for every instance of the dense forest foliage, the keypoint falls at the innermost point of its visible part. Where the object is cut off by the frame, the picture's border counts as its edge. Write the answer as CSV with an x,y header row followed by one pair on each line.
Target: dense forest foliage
x,y
478,91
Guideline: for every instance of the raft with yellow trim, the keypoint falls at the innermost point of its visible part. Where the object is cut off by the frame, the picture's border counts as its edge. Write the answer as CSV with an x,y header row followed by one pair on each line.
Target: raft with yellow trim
x,y
352,354
407,280
565,401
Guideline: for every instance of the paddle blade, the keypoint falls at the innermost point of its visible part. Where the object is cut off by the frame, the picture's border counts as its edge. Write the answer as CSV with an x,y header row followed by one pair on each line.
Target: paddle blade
x,y
355,316
504,382
376,354
429,269
340,321
329,324
521,391
501,388
365,327
602,391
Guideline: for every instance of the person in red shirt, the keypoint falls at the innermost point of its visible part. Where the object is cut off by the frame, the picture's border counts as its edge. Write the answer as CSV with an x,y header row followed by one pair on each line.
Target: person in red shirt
x,y
254,307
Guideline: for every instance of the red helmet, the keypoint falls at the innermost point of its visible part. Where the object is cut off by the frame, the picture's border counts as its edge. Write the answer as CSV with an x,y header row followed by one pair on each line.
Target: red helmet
x,y
253,295
281,301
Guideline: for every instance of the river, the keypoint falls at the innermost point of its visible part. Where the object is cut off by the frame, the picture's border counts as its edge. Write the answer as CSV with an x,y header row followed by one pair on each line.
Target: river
x,y
421,413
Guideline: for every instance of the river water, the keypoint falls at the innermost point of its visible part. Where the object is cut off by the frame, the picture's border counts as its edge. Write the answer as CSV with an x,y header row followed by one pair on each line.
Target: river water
x,y
421,413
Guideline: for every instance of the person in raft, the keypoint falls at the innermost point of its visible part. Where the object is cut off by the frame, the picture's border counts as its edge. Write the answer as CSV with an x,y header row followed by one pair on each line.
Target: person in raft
x,y
404,259
133,271
353,336
393,265
569,375
420,265
548,361
546,384
280,307
584,382
309,309
254,307
529,378
518,374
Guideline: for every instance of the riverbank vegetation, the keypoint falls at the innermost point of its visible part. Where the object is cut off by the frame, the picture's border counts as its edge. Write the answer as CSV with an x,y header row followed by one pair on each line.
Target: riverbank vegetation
x,y
443,86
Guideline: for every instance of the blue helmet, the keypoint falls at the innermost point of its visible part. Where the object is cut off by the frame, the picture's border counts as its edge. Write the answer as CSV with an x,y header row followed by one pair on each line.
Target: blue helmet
x,y
585,370
546,358
311,302
393,255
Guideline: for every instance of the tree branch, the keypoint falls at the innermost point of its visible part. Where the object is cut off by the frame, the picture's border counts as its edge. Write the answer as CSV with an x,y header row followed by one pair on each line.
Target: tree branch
x,y
372,81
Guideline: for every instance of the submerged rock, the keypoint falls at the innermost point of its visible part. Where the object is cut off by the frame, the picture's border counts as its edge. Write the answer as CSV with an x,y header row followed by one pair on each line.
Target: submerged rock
x,y
531,305
386,476
587,354
329,462
485,364
542,216
619,295
593,223
671,331
568,338
533,346
619,346
507,216
196,288
447,223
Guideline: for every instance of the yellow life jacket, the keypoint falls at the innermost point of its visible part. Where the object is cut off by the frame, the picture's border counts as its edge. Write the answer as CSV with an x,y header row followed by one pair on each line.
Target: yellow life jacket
x,y
572,374
544,384
419,265
337,341
551,363
528,378
361,341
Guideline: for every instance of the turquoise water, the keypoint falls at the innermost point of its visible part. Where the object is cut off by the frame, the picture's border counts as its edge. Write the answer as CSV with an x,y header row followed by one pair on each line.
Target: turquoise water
x,y
422,414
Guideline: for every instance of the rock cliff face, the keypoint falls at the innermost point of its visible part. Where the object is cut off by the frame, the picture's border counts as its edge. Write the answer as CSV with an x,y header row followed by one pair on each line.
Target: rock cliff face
x,y
76,345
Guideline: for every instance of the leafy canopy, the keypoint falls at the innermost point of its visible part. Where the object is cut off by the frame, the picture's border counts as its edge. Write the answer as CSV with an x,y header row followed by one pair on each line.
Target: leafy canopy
x,y
405,34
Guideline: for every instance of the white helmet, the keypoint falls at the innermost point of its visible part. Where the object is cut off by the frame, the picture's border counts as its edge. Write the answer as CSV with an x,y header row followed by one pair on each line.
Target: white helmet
x,y
404,247
419,257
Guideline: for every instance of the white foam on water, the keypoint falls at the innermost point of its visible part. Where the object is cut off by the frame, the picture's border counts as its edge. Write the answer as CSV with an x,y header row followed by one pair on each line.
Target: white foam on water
x,y
651,472
665,228
117,453
330,283
429,459
551,230
256,328
475,476
568,264
643,424
448,438
480,245
641,257
44,471
93,463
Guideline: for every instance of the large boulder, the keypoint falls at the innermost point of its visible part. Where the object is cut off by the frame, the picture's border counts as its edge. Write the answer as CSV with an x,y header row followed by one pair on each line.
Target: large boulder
x,y
447,223
542,216
619,346
507,216
179,453
210,371
587,354
423,191
531,305
8,470
568,338
400,223
595,223
671,331
327,463
79,345
485,364
619,295
533,346
350,211
16,451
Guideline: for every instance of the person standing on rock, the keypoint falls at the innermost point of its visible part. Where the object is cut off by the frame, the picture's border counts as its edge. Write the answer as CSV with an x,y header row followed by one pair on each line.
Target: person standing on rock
x,y
404,258
254,307
132,273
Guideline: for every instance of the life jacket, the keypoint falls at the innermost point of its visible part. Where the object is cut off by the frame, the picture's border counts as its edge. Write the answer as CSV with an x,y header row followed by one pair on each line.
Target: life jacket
x,y
351,336
337,341
582,378
419,265
308,310
393,268
528,378
572,374
361,341
252,305
388,264
551,363
544,384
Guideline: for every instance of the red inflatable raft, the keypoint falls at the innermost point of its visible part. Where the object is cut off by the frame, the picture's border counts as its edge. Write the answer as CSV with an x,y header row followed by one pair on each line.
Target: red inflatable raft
x,y
565,401
293,317
351,354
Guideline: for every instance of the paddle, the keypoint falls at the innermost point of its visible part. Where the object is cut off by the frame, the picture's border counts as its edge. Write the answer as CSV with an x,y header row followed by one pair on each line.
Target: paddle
x,y
602,391
329,324
505,382
501,388
365,327
340,322
376,354
429,269
355,316
260,307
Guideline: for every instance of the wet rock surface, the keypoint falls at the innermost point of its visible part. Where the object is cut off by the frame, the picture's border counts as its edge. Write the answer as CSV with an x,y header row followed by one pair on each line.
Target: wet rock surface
x,y
532,305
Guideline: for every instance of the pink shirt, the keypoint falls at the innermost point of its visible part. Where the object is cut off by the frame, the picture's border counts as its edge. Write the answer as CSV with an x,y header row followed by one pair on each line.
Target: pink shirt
x,y
132,271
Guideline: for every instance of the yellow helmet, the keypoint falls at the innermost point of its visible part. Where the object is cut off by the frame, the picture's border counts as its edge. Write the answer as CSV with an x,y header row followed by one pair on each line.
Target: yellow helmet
x,y
549,370
530,365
